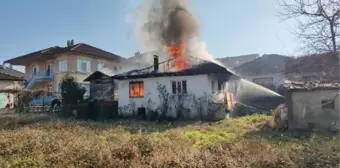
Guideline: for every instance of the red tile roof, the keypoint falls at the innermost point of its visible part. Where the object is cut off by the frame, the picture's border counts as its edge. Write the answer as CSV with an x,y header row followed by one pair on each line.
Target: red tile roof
x,y
77,48
10,74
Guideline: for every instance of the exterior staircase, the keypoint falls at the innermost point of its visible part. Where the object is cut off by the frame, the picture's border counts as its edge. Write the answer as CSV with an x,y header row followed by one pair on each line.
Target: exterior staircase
x,y
33,81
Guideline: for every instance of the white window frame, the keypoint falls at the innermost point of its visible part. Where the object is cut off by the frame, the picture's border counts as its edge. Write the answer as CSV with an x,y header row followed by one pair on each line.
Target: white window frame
x,y
35,66
213,89
79,65
101,66
62,65
49,65
179,83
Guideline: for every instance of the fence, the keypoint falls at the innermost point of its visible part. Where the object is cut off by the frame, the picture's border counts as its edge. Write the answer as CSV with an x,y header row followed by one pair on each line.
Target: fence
x,y
97,110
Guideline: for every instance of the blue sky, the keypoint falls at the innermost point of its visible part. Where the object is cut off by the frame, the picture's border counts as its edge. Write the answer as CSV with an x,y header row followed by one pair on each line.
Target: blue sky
x,y
229,28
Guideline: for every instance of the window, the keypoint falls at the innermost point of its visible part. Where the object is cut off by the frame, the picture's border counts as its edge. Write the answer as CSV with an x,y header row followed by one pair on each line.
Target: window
x,y
83,66
49,69
35,70
220,86
101,66
327,104
213,86
179,87
136,89
264,81
63,66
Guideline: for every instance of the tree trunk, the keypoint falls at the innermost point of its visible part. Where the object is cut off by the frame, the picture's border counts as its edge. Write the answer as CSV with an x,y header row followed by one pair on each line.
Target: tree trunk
x,y
333,36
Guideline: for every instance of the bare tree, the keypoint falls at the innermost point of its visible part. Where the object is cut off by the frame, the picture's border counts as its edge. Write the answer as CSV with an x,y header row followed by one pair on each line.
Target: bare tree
x,y
318,22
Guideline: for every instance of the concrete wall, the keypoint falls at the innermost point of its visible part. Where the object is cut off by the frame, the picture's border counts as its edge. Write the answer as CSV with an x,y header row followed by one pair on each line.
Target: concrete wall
x,y
196,85
306,107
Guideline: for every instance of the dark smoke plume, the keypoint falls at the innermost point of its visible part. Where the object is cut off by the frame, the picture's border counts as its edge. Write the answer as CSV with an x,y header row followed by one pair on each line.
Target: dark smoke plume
x,y
170,22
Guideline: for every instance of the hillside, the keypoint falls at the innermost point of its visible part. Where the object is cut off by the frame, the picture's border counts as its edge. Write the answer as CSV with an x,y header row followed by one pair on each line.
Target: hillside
x,y
41,141
235,61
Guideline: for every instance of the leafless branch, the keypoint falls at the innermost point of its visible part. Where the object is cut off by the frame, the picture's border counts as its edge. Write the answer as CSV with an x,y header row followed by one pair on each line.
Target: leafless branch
x,y
318,22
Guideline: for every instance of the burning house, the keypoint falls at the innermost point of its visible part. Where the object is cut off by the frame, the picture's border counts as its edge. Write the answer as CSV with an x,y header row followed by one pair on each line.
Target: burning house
x,y
203,89
190,84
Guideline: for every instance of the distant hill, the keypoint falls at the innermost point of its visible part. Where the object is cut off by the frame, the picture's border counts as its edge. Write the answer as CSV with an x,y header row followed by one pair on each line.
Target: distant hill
x,y
235,61
267,63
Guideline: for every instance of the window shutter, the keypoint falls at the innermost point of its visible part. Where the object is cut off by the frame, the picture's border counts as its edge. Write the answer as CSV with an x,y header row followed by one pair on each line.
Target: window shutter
x,y
184,86
79,65
59,66
88,66
174,87
65,65
212,86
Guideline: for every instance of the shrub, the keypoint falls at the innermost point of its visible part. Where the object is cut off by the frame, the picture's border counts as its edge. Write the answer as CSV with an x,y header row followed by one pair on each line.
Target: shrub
x,y
71,93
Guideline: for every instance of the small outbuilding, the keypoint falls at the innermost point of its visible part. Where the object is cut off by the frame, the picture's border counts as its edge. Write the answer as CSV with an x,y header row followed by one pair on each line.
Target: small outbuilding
x,y
102,86
312,105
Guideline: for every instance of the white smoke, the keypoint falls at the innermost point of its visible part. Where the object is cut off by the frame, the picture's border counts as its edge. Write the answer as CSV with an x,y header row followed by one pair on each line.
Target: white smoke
x,y
198,48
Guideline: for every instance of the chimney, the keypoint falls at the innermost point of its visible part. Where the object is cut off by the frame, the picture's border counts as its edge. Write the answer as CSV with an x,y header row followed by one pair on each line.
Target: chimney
x,y
155,63
137,53
70,43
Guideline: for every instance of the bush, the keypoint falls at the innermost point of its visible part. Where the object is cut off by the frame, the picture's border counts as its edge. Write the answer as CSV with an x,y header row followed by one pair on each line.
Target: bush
x,y
71,91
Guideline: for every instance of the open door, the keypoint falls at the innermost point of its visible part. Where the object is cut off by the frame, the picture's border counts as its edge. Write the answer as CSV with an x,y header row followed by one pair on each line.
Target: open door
x,y
229,101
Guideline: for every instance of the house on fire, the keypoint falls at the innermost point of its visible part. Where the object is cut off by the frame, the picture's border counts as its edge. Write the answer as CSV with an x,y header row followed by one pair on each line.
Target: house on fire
x,y
192,92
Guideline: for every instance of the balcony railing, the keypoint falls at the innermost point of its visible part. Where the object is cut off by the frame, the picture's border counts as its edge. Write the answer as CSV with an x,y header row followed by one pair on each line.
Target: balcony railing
x,y
47,75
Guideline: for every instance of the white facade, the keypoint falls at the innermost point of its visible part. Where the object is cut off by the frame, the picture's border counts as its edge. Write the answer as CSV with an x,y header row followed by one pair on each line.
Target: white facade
x,y
309,107
7,98
197,85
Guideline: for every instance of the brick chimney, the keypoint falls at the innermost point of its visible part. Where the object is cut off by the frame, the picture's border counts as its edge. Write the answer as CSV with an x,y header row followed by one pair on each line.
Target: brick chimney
x,y
155,63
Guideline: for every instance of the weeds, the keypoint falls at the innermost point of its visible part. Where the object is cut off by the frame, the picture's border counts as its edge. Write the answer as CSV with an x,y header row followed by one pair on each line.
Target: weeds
x,y
43,141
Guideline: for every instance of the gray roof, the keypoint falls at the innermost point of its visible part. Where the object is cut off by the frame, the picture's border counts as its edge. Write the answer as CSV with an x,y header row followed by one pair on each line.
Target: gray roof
x,y
10,74
202,68
310,85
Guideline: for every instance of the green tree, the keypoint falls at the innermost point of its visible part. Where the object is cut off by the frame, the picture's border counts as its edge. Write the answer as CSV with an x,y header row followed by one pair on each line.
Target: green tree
x,y
71,91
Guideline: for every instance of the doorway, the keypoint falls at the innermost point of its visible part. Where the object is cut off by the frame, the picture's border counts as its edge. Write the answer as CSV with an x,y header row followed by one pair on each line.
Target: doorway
x,y
49,69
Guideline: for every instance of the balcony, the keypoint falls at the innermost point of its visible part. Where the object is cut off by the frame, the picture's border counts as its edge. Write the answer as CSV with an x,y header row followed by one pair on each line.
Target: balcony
x,y
39,79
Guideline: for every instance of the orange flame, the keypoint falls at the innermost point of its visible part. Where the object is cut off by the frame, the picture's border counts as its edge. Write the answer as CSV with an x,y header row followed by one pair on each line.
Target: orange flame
x,y
136,89
177,53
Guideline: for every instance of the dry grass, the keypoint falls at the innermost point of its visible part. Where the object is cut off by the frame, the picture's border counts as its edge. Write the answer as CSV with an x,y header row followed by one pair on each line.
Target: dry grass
x,y
43,141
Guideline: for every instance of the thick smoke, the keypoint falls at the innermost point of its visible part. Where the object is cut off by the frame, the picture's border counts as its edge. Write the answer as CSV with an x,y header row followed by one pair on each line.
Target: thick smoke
x,y
169,22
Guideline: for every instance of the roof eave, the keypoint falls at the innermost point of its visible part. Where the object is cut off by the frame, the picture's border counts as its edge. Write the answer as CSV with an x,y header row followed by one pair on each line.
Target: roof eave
x,y
91,77
22,59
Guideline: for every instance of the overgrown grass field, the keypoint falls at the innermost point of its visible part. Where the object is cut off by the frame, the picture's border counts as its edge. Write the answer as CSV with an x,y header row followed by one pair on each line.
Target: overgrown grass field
x,y
28,140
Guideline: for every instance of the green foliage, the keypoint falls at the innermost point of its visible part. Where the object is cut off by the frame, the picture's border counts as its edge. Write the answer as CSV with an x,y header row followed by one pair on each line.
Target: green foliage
x,y
71,91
